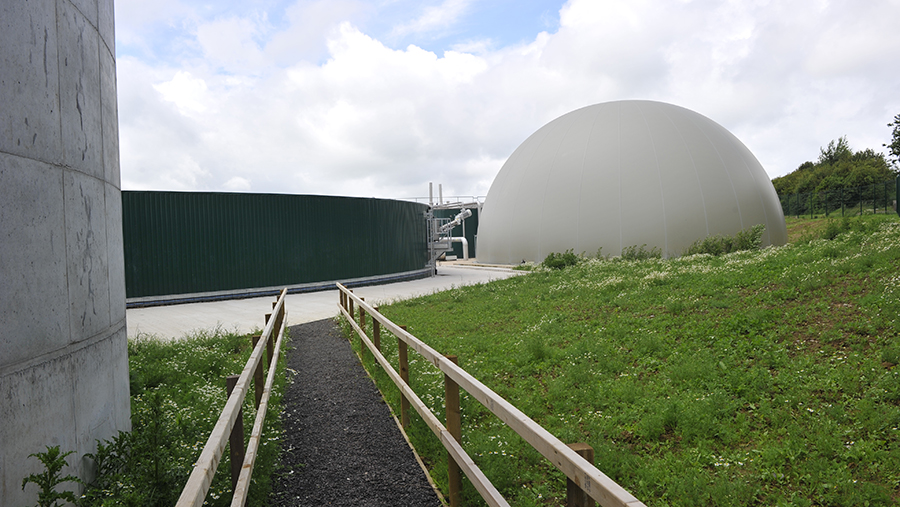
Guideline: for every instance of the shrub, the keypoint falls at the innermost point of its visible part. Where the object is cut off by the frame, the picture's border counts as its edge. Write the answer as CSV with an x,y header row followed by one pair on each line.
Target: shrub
x,y
834,228
640,253
747,239
560,260
136,468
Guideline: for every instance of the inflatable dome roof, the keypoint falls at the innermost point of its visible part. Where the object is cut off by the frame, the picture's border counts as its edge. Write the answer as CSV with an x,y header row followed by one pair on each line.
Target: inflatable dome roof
x,y
622,174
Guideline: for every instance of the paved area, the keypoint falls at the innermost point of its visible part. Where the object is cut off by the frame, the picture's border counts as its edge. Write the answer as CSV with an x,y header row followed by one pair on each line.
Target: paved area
x,y
246,315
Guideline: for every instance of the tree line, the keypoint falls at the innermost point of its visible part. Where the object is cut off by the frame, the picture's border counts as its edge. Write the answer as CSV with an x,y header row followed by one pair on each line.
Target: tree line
x,y
838,166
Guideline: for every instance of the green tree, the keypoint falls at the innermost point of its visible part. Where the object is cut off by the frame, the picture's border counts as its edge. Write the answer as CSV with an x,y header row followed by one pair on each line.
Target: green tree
x,y
835,152
894,146
838,166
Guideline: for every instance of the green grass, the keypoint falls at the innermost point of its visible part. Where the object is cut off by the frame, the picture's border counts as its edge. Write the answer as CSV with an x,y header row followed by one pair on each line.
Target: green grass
x,y
753,378
177,394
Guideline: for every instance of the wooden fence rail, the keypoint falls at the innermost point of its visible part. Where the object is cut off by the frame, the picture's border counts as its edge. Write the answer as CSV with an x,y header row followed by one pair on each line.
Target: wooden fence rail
x,y
269,343
582,473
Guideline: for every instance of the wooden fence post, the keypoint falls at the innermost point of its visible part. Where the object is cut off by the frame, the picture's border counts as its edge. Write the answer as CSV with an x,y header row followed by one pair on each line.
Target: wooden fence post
x,y
454,426
270,342
404,375
362,325
575,496
236,441
270,346
376,332
258,380
350,308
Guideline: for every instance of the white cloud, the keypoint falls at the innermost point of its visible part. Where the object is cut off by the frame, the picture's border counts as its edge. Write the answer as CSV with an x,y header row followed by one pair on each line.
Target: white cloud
x,y
433,18
238,184
314,104
156,141
310,24
189,94
231,44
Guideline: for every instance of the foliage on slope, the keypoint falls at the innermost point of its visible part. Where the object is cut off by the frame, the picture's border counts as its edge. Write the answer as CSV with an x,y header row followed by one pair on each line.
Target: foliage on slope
x,y
753,378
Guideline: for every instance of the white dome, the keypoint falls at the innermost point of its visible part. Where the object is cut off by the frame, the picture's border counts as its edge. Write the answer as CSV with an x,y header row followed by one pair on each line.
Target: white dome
x,y
621,174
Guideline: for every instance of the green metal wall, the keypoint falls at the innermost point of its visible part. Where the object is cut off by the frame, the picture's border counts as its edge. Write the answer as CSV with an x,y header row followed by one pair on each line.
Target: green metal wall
x,y
190,242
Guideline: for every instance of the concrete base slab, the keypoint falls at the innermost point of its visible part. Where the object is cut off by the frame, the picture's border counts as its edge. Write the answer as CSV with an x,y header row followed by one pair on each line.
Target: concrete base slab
x,y
247,315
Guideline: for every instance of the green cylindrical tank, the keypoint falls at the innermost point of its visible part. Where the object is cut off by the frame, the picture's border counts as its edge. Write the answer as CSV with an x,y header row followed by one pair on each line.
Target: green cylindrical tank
x,y
194,242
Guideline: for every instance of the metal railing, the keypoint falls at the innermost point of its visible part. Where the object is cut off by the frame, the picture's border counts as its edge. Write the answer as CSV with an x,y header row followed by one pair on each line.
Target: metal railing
x,y
875,198
229,427
585,481
446,201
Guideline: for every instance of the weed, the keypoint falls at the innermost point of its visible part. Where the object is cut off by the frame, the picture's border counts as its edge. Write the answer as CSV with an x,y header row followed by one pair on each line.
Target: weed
x,y
836,227
747,239
640,253
891,355
536,349
675,306
560,260
53,461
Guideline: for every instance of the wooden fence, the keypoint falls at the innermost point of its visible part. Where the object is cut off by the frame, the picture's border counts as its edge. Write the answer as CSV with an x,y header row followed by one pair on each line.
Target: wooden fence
x,y
229,427
585,481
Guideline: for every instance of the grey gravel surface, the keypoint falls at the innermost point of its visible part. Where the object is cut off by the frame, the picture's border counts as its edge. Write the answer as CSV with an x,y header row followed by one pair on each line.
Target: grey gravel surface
x,y
341,446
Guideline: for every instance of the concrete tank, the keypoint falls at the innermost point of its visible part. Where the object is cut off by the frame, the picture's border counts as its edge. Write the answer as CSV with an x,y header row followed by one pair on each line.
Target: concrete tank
x,y
63,349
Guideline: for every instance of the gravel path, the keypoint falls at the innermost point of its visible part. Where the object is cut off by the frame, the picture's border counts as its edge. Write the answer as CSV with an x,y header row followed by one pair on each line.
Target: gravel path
x,y
341,446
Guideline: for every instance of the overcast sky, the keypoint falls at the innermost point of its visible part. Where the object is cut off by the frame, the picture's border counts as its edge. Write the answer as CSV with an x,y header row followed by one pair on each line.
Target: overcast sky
x,y
377,98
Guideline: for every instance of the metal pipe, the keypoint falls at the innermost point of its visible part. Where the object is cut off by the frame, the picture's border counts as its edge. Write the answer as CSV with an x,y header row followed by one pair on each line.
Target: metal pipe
x,y
465,246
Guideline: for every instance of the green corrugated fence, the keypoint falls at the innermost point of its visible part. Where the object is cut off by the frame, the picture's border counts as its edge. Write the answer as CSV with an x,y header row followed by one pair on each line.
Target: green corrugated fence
x,y
192,242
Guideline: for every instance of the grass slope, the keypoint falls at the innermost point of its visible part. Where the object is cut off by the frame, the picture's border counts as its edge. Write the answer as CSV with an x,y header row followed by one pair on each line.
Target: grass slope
x,y
754,378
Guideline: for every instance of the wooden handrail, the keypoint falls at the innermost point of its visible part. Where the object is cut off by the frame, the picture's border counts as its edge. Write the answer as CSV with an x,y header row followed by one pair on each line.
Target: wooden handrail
x,y
194,492
592,481
475,475
243,485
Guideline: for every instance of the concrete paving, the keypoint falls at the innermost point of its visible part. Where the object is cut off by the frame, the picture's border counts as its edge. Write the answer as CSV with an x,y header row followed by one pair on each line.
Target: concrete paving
x,y
246,315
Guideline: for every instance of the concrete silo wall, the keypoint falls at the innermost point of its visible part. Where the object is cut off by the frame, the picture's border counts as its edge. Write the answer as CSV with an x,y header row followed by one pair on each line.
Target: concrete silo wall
x,y
63,351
